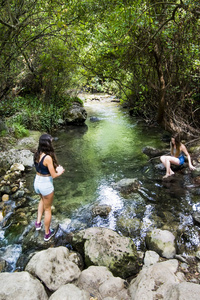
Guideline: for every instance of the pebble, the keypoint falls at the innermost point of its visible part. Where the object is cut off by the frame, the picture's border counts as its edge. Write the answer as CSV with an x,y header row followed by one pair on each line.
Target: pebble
x,y
5,197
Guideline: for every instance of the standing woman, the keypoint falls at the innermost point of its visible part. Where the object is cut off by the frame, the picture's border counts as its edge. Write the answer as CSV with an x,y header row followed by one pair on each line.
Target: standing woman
x,y
178,150
47,168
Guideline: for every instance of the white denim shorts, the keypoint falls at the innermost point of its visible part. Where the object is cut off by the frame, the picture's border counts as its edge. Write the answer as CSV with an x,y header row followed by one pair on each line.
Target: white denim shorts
x,y
43,185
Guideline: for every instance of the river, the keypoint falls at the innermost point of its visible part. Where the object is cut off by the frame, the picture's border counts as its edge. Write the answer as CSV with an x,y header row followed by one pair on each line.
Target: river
x,y
103,151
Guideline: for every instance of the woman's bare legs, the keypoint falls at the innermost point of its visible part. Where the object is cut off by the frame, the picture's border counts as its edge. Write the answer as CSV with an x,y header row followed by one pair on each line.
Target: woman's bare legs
x,y
40,210
167,161
45,207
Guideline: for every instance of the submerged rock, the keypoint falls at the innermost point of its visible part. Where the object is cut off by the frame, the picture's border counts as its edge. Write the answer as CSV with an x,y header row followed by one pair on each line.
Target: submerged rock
x,y
101,210
127,185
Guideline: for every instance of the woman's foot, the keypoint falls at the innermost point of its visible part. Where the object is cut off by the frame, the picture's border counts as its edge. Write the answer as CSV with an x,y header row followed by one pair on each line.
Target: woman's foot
x,y
38,225
168,175
49,235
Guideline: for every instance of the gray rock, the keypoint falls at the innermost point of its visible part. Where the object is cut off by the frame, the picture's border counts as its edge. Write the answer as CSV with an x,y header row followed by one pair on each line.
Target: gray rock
x,y
54,267
183,291
104,247
8,158
162,242
76,114
150,258
101,283
21,285
68,292
153,282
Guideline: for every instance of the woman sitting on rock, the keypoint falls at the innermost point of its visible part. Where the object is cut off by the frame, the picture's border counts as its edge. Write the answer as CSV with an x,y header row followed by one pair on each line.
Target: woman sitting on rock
x,y
178,150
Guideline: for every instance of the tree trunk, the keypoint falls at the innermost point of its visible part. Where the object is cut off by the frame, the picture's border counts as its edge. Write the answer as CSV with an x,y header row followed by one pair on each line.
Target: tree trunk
x,y
161,105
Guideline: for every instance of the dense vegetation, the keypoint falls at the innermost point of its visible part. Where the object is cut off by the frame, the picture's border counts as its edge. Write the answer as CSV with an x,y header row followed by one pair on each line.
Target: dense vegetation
x,y
145,52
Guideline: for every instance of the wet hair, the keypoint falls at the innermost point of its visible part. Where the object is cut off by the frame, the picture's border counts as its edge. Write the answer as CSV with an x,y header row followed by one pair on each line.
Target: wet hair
x,y
45,146
177,140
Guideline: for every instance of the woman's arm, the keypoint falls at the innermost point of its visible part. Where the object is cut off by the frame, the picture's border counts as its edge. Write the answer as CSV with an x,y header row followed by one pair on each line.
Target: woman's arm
x,y
48,162
184,149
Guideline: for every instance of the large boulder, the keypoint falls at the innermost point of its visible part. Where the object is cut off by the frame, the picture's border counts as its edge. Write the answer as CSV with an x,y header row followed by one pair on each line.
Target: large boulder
x,y
183,291
153,152
21,285
101,283
68,292
162,242
154,282
76,114
54,267
105,247
10,157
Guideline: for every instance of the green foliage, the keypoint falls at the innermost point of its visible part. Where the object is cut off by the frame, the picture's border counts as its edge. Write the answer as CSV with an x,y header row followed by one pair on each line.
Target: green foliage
x,y
19,130
134,49
34,114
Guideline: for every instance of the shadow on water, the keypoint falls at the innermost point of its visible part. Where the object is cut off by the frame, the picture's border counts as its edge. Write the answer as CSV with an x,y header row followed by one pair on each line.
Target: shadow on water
x,y
107,149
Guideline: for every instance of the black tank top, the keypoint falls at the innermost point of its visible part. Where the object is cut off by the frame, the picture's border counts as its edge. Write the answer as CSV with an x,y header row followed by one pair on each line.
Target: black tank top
x,y
40,168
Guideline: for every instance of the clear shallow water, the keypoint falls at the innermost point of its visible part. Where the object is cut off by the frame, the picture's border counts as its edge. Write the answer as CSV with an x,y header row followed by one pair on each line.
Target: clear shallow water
x,y
94,157
98,155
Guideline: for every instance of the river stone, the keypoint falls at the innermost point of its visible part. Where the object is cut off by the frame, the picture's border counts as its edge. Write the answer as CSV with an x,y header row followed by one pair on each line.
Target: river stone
x,y
17,167
53,267
105,247
21,285
76,114
183,291
101,210
162,242
150,258
5,197
127,185
101,283
5,189
153,282
68,292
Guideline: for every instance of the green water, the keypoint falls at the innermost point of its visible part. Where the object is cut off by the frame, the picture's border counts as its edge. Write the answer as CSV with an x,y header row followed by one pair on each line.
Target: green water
x,y
97,155
94,157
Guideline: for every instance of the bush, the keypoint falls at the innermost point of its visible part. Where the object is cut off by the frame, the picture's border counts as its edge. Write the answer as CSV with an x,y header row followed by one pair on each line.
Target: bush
x,y
19,130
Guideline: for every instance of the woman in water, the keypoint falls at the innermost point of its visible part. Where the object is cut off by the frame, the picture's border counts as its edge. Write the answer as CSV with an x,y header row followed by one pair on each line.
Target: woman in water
x,y
47,168
178,150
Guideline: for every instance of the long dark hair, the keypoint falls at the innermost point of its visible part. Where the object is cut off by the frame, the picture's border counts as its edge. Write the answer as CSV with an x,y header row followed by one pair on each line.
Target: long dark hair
x,y
45,146
177,140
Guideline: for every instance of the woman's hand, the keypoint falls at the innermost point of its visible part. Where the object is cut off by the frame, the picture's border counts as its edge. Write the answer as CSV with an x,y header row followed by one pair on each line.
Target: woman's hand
x,y
60,170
